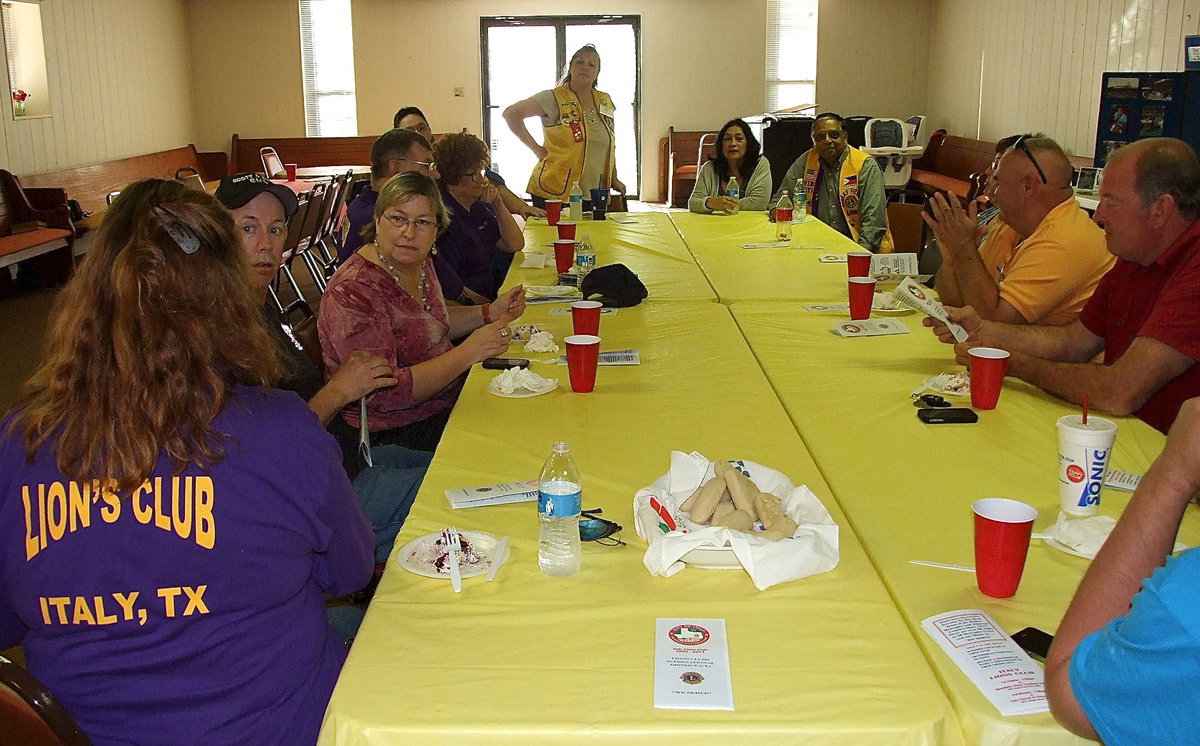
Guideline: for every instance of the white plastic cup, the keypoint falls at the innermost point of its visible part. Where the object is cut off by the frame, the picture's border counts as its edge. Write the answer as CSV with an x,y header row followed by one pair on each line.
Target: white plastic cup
x,y
1083,452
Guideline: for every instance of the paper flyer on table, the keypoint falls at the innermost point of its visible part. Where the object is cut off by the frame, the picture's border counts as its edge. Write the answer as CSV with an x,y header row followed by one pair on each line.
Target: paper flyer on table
x,y
820,307
622,219
613,357
691,665
884,266
832,259
991,660
1122,480
493,494
869,328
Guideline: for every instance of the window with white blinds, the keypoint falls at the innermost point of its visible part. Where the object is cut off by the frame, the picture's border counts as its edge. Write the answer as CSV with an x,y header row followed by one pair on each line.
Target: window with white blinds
x,y
10,49
327,57
791,53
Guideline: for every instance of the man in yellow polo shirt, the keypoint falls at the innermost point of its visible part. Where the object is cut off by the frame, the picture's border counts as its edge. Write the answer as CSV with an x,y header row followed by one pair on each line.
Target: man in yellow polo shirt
x,y
1040,260
844,186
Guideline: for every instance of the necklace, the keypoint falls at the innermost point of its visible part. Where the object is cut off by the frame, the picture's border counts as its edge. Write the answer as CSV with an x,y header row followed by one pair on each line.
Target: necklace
x,y
395,273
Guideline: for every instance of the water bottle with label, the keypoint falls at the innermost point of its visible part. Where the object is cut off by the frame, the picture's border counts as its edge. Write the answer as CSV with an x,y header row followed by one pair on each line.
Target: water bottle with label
x,y
733,192
801,211
783,218
560,497
585,257
575,211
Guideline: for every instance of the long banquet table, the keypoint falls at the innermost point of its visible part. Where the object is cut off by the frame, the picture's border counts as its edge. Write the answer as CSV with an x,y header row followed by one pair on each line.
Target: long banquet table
x,y
907,487
532,658
791,273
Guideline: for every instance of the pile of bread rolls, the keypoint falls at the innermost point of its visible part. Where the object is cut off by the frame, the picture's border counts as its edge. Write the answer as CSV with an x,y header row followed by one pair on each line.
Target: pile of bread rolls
x,y
732,500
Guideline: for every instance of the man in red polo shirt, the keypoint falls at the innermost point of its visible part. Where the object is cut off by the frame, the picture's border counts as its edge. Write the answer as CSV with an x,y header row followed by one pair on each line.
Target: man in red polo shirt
x,y
1144,315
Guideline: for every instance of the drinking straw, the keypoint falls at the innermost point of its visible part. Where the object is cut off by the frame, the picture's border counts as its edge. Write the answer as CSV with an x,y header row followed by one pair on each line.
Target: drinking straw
x,y
1085,407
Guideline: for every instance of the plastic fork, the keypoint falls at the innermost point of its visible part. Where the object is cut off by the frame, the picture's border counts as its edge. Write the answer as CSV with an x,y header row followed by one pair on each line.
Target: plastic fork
x,y
453,547
934,382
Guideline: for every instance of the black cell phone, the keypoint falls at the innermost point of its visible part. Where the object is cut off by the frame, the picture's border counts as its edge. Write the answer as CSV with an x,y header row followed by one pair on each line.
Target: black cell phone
x,y
504,363
930,400
1035,642
944,416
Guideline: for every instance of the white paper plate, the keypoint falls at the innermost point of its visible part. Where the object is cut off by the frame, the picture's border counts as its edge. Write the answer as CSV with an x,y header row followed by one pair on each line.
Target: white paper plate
x,y
493,389
415,555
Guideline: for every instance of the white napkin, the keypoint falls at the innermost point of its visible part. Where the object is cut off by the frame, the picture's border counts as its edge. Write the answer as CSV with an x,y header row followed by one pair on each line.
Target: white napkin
x,y
812,549
535,259
1083,537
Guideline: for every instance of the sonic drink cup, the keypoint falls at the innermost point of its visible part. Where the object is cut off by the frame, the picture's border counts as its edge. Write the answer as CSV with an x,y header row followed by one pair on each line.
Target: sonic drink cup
x,y
1083,452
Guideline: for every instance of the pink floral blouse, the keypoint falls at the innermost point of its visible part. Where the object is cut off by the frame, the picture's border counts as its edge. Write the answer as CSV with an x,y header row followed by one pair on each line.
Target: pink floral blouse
x,y
364,309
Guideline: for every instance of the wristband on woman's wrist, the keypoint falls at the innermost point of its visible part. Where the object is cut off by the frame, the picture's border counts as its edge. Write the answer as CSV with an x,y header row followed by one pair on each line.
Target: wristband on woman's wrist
x,y
487,319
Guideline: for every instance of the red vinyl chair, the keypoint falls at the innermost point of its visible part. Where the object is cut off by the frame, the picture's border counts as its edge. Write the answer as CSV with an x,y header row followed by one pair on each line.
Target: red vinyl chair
x,y
29,713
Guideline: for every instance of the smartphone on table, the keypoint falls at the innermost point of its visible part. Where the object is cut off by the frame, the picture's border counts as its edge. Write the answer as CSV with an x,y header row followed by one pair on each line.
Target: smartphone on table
x,y
1035,642
504,363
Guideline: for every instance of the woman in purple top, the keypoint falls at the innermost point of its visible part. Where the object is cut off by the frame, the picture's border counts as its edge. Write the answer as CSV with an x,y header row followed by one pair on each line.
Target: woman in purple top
x,y
168,523
482,235
386,299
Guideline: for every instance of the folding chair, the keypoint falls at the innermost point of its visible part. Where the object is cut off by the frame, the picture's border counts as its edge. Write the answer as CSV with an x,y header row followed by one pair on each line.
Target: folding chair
x,y
271,162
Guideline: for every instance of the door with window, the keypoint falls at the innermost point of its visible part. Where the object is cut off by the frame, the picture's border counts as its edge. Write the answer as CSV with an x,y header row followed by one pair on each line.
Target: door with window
x,y
524,55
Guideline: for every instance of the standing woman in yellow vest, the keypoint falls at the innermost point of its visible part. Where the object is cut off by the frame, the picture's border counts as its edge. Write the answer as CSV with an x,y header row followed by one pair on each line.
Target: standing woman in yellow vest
x,y
578,144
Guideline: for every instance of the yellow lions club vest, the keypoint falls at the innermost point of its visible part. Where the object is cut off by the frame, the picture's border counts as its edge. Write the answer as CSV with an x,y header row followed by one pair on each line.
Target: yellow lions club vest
x,y
567,144
848,198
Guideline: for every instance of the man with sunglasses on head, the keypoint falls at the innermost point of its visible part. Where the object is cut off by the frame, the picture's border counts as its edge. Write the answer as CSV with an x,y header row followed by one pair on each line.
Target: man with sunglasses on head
x,y
1040,260
1145,313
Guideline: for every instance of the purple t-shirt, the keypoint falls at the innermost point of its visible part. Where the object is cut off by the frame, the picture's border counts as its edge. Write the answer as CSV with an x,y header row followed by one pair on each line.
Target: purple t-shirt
x,y
469,244
361,212
190,610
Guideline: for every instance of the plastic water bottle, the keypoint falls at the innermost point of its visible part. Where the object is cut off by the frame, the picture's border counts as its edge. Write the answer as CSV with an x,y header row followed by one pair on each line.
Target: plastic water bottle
x,y
560,497
783,218
585,257
732,191
575,211
801,212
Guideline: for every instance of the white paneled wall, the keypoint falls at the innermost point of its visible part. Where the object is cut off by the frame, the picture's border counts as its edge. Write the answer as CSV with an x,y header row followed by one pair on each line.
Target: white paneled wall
x,y
1025,65
119,82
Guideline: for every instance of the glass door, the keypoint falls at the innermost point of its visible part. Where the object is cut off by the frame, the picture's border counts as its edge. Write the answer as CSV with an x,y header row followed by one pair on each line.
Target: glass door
x,y
524,55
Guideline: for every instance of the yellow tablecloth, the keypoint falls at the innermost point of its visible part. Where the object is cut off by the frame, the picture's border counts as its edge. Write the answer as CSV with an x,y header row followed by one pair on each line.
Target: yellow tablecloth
x,y
531,658
907,487
738,274
651,247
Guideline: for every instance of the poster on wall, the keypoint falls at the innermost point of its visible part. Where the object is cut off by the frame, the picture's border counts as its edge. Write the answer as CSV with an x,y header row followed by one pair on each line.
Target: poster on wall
x,y
1122,87
1118,119
1152,121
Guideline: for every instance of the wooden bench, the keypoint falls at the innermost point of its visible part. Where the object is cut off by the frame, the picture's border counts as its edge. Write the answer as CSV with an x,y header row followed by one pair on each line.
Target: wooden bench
x,y
91,185
679,153
303,151
35,228
949,162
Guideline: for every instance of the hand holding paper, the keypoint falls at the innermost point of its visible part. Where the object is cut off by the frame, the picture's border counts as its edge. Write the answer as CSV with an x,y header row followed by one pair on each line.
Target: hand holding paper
x,y
911,294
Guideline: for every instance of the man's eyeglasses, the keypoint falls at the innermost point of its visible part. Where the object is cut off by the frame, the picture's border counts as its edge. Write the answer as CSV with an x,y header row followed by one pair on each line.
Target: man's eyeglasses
x,y
429,166
1020,145
399,222
597,529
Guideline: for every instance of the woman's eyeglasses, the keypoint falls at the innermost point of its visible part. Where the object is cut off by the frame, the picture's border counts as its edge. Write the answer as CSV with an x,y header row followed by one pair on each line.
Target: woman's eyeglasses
x,y
597,529
399,222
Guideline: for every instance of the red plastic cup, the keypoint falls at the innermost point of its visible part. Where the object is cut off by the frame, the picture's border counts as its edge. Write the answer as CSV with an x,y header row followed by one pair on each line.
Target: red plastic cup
x,y
290,168
858,263
566,229
1002,531
987,375
564,254
583,354
585,316
862,292
553,210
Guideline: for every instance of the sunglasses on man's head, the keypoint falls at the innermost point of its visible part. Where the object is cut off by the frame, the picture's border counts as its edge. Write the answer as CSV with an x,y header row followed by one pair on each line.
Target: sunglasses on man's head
x,y
1020,145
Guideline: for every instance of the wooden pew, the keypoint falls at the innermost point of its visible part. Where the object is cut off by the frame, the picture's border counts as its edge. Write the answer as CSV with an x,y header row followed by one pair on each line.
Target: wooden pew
x,y
36,230
90,185
956,165
303,151
677,163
